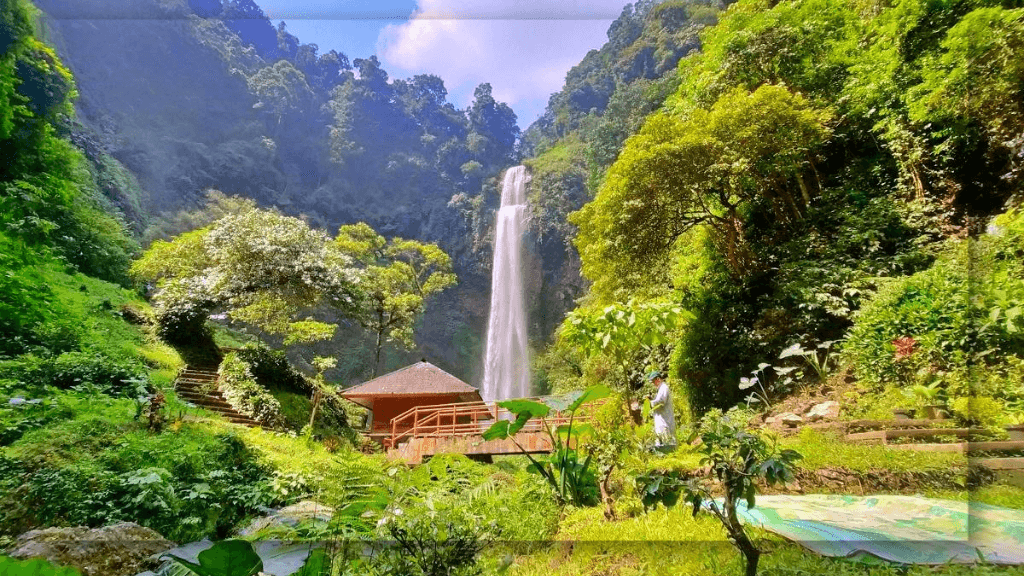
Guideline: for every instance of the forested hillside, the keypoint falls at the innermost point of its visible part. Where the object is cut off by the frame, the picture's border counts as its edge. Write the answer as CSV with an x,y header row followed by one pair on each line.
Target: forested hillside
x,y
813,161
800,218
200,95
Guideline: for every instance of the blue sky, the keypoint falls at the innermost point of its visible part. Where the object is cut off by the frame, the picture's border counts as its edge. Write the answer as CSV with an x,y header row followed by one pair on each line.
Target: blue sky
x,y
522,47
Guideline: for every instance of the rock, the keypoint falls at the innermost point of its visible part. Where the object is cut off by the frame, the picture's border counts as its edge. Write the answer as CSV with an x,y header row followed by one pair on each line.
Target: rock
x,y
116,550
791,420
290,516
825,411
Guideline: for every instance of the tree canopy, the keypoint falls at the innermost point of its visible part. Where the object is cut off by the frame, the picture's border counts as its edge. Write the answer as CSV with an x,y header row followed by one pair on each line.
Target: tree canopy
x,y
397,278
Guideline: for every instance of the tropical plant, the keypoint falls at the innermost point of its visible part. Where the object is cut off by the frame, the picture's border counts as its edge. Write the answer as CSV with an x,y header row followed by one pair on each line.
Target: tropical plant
x,y
571,478
623,332
756,378
738,459
818,358
238,558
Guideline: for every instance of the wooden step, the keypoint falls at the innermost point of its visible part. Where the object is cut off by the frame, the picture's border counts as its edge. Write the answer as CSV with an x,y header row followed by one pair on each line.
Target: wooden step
x,y
209,403
198,388
199,393
1000,463
198,377
884,436
968,447
996,446
189,380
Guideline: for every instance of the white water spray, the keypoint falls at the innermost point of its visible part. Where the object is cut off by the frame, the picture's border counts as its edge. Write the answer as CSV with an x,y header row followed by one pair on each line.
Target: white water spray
x,y
507,363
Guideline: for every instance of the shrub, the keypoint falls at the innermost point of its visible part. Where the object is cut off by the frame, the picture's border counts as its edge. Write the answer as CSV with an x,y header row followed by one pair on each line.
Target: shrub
x,y
922,322
428,546
184,485
95,369
240,389
272,369
980,411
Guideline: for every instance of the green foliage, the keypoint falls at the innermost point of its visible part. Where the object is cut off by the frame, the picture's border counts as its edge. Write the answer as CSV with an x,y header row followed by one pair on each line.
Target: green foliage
x,y
36,567
811,148
702,169
622,333
225,558
48,199
974,80
98,466
259,265
428,546
933,324
737,459
397,278
570,477
241,390
92,369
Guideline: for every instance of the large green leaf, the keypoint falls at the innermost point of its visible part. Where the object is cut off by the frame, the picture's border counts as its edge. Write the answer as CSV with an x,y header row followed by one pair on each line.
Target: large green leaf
x,y
519,423
519,407
226,558
316,564
497,431
589,395
562,402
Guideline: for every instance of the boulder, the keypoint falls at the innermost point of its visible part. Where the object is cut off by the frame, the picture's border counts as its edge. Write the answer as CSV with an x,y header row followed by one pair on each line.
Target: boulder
x,y
116,550
791,420
290,516
825,411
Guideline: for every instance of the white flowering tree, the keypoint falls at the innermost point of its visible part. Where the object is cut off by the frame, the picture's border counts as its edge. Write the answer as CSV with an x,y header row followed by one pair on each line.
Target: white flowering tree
x,y
259,266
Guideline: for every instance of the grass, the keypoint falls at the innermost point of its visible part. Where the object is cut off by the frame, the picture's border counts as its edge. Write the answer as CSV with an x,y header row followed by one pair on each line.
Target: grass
x,y
996,494
670,541
822,450
333,478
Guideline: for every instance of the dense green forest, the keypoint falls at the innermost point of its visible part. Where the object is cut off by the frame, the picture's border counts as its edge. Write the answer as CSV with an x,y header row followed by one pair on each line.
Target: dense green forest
x,y
777,204
812,161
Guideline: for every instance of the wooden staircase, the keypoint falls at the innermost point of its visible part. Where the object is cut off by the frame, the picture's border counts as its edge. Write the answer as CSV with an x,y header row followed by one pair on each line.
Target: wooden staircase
x,y
198,385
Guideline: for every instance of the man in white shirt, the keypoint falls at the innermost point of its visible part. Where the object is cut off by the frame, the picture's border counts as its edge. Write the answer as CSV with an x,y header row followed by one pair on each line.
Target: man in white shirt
x,y
664,414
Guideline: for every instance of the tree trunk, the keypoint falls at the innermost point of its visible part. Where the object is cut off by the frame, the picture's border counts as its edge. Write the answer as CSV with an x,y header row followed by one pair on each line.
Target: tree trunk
x,y
376,357
316,404
606,498
752,559
381,327
739,537
803,189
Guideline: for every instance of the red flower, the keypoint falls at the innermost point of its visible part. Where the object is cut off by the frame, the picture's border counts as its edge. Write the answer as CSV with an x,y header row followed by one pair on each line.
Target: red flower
x,y
904,346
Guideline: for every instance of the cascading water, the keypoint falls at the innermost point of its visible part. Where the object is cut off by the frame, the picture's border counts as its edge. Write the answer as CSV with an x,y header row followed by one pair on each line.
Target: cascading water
x,y
507,363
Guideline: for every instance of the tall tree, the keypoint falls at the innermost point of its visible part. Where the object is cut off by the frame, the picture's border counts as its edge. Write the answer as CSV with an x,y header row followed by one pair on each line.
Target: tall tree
x,y
398,277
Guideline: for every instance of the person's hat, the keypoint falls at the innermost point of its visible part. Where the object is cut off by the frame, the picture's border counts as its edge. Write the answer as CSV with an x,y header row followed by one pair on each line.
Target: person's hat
x,y
654,374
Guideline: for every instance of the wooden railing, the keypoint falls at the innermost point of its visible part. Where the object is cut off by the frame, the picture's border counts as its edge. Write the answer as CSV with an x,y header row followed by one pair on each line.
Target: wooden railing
x,y
462,419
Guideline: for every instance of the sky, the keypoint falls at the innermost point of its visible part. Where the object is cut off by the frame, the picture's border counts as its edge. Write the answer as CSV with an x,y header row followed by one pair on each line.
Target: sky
x,y
522,47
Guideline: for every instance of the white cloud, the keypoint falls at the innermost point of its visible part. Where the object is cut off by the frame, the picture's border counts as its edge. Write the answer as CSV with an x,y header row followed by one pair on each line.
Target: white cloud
x,y
524,48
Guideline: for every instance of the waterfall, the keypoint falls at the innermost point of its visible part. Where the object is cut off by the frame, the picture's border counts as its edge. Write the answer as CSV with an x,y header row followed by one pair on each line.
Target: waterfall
x,y
507,361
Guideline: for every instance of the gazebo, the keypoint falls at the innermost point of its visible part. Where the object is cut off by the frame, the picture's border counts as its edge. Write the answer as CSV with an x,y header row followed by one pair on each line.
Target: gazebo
x,y
421,384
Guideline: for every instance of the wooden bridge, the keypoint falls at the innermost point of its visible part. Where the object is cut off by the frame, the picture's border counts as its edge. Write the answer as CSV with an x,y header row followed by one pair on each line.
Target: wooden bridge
x,y
458,429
